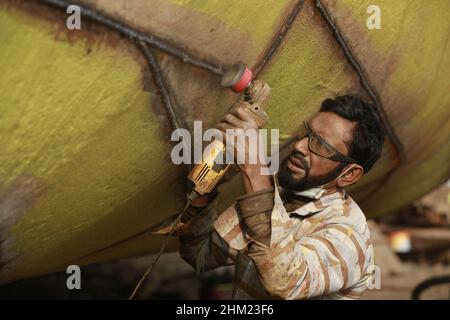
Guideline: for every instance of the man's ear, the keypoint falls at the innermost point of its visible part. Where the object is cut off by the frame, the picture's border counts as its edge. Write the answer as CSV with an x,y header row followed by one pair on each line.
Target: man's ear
x,y
352,174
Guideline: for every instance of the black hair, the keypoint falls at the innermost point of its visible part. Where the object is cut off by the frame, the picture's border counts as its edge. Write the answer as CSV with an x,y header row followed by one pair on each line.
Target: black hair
x,y
368,133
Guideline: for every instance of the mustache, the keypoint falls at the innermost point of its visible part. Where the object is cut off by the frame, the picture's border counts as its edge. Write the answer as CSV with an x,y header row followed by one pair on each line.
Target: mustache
x,y
297,155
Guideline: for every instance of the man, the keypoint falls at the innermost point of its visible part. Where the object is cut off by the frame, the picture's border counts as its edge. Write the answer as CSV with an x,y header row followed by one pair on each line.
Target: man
x,y
307,239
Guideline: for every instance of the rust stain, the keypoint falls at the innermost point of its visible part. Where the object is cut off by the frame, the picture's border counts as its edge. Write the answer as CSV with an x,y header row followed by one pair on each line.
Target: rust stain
x,y
196,92
90,32
94,34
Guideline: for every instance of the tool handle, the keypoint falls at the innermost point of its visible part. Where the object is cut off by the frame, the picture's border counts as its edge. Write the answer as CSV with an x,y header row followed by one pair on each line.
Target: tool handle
x,y
257,97
207,174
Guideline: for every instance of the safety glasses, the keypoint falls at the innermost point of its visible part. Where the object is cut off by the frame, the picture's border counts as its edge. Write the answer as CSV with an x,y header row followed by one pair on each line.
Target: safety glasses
x,y
322,148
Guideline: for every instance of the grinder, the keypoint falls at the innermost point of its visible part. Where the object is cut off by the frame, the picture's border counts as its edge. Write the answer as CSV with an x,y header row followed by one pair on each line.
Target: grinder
x,y
238,77
207,174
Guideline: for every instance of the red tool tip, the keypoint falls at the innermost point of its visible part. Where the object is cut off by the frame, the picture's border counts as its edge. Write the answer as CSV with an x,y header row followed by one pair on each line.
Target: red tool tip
x,y
238,77
244,81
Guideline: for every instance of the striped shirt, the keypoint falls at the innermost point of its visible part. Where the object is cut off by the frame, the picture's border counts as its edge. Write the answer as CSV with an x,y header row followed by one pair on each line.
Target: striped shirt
x,y
322,249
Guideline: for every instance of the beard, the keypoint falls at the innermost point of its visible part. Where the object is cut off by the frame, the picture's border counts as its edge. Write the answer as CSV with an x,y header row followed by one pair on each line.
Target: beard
x,y
288,181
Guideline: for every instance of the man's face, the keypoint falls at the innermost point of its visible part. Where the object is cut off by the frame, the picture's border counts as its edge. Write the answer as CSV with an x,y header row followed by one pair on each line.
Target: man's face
x,y
303,169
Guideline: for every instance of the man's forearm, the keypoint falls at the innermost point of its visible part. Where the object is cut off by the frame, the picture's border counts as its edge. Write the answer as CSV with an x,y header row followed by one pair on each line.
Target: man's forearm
x,y
256,205
200,245
253,179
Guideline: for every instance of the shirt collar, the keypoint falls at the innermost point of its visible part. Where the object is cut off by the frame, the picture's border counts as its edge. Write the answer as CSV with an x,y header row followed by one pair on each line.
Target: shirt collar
x,y
321,201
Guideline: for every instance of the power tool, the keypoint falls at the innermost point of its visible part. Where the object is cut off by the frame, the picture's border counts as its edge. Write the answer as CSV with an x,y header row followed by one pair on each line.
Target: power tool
x,y
207,174
210,171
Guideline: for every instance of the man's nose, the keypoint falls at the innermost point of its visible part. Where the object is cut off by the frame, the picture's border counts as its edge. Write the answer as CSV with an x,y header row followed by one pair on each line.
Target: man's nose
x,y
301,146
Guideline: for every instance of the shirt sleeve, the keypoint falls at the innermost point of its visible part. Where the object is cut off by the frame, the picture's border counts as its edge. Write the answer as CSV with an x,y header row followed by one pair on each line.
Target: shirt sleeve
x,y
200,244
326,261
256,209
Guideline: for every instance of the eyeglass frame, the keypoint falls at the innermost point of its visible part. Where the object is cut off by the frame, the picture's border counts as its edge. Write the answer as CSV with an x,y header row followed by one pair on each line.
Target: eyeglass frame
x,y
338,156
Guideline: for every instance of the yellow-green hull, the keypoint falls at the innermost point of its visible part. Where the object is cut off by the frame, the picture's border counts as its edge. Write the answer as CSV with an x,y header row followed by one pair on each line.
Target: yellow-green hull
x,y
85,143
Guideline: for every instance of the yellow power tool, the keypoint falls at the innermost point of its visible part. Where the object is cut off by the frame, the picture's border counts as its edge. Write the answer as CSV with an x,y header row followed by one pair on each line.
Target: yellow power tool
x,y
211,170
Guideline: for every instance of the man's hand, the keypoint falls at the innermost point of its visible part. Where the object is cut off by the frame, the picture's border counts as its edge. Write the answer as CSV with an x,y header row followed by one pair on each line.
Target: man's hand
x,y
240,134
245,123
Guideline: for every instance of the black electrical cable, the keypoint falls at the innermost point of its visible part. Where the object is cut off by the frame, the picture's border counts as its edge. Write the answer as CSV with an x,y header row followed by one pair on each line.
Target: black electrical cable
x,y
149,269
428,283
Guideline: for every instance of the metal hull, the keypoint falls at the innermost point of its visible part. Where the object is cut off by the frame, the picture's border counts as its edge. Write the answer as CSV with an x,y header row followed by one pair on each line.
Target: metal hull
x,y
85,142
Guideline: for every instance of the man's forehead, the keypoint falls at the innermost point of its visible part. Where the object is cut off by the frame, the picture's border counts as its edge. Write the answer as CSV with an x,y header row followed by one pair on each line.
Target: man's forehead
x,y
332,126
